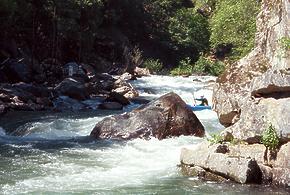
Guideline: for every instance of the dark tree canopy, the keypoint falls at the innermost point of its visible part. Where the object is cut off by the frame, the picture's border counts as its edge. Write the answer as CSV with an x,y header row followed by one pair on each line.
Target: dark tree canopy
x,y
104,31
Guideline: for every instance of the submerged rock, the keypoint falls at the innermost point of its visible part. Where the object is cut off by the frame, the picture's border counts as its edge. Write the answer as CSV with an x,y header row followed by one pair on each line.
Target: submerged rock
x,y
167,116
201,173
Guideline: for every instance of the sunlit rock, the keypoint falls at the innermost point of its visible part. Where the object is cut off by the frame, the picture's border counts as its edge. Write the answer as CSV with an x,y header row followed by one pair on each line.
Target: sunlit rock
x,y
255,91
142,71
237,168
257,116
165,117
124,88
281,168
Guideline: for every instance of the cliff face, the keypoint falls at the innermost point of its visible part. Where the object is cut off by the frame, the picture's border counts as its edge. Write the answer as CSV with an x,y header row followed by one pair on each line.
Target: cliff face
x,y
256,90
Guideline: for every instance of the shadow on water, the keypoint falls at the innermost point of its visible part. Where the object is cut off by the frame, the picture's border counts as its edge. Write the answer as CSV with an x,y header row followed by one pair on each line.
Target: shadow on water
x,y
193,185
24,146
22,139
13,120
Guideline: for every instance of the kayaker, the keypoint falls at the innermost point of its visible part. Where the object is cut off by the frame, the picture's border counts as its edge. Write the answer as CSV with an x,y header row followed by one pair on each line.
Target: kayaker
x,y
204,101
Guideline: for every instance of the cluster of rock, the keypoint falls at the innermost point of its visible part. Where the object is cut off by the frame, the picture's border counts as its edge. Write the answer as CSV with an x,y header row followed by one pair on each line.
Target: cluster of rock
x,y
240,163
56,87
256,90
251,95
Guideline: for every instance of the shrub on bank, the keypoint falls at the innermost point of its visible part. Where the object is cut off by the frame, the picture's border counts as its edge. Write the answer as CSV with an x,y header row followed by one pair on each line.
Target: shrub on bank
x,y
234,22
184,68
270,138
207,66
154,65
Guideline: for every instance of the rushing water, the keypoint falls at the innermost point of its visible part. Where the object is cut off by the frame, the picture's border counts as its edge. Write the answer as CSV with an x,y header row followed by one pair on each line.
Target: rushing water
x,y
56,155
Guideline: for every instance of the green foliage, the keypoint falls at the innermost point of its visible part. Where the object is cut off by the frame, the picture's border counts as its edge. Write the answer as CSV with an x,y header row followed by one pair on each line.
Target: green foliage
x,y
234,22
216,138
206,66
136,56
235,141
270,138
205,6
153,65
92,31
184,68
189,29
177,28
285,43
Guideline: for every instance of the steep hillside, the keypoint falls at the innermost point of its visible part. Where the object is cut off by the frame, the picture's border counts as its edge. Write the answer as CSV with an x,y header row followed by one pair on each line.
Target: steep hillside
x,y
255,91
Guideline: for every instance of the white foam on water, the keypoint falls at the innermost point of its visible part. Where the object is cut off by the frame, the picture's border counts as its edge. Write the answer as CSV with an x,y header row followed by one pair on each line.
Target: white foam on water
x,y
115,167
187,88
2,132
133,164
62,128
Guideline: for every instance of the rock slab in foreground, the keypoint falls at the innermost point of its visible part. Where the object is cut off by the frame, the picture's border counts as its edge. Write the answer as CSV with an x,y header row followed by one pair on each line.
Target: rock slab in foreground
x,y
167,116
239,169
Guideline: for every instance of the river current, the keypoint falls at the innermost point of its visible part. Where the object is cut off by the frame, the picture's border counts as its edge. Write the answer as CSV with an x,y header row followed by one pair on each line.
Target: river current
x,y
56,155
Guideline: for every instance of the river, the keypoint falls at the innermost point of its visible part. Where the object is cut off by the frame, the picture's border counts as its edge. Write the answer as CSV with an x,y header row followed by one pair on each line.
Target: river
x,y
56,155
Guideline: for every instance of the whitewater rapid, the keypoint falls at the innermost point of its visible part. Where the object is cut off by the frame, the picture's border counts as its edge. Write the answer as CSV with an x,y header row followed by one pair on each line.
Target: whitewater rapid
x,y
57,156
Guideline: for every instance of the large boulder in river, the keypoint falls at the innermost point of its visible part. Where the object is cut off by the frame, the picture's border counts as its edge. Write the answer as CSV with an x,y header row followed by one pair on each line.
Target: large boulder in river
x,y
164,117
255,91
72,88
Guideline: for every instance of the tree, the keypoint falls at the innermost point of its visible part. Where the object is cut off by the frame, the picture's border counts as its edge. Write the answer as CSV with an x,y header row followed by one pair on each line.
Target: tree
x,y
188,29
234,22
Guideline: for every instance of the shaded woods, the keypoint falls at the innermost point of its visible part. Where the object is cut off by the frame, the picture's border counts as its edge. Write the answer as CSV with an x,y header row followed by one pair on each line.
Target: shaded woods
x,y
118,33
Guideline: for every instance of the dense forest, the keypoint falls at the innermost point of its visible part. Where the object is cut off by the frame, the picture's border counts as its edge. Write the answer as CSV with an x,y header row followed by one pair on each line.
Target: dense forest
x,y
181,36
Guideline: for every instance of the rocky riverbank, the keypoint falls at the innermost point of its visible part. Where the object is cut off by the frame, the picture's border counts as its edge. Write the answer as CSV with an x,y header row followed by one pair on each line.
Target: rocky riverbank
x,y
241,163
75,87
252,96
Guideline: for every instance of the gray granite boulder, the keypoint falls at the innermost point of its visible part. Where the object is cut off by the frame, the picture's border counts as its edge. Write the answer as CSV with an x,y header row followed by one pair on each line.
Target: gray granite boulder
x,y
237,168
164,117
255,91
